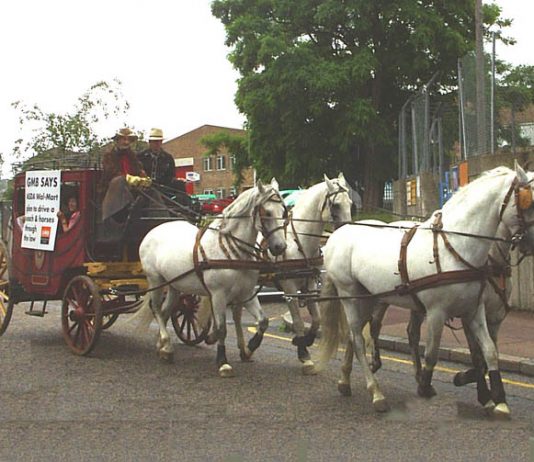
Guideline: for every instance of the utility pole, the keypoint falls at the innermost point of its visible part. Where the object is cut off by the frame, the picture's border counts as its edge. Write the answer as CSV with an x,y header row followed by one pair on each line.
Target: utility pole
x,y
480,81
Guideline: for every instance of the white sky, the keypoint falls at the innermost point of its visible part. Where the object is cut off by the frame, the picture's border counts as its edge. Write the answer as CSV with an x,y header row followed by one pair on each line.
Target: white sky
x,y
169,55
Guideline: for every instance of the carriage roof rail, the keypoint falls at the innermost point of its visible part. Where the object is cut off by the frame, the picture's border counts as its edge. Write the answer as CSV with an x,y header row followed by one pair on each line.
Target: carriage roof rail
x,y
62,162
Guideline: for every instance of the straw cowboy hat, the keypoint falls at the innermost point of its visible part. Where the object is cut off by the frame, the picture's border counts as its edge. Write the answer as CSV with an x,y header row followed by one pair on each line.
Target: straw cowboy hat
x,y
127,132
156,134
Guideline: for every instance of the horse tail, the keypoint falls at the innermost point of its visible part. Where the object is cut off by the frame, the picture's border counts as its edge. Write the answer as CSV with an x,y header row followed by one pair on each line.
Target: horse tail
x,y
204,312
334,326
143,316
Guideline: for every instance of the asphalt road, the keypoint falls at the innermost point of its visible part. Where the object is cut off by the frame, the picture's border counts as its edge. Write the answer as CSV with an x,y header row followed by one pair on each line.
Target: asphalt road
x,y
122,403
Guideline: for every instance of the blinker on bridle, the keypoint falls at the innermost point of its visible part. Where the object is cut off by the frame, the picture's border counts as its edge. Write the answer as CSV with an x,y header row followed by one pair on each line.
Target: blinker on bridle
x,y
259,210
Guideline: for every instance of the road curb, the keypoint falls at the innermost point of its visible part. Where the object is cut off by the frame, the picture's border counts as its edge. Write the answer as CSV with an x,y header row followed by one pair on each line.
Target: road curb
x,y
507,363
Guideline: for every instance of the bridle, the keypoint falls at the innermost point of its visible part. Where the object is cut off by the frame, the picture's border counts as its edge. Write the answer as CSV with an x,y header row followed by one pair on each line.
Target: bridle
x,y
523,201
260,211
329,200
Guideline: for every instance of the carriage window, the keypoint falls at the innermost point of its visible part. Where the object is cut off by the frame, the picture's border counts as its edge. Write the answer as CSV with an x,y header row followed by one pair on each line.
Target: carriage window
x,y
20,201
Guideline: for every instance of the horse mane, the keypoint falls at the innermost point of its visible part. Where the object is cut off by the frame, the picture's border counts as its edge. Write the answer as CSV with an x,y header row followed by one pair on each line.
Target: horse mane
x,y
460,195
242,207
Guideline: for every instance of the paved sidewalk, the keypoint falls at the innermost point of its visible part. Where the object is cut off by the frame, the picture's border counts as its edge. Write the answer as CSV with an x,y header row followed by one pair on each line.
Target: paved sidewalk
x,y
515,343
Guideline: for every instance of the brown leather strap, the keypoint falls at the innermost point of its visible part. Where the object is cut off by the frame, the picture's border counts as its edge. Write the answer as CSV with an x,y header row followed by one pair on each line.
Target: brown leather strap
x,y
507,197
403,267
437,226
196,263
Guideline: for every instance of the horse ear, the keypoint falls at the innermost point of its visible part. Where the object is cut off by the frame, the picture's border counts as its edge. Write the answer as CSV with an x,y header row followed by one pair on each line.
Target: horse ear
x,y
520,173
341,178
260,186
329,184
275,184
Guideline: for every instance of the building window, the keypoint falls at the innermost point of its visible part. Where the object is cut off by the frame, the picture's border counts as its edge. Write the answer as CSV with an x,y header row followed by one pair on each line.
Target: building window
x,y
207,162
208,191
220,193
221,162
231,161
233,191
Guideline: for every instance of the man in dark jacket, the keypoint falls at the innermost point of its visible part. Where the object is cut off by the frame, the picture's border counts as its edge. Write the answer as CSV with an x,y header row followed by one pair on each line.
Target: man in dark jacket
x,y
159,165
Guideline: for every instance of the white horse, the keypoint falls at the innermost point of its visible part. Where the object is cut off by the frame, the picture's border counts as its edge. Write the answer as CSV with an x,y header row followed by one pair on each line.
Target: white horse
x,y
323,203
361,263
496,295
174,253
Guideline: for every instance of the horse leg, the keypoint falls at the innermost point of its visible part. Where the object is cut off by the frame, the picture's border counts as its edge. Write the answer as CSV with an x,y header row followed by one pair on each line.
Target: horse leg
x,y
414,337
343,384
435,323
219,321
479,328
375,328
300,340
237,314
254,308
358,313
164,344
477,373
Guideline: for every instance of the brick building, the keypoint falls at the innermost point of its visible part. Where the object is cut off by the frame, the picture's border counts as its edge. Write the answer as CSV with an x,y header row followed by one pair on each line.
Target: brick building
x,y
214,172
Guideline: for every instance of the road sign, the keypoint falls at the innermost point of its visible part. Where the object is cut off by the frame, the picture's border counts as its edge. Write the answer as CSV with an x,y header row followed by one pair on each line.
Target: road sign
x,y
192,176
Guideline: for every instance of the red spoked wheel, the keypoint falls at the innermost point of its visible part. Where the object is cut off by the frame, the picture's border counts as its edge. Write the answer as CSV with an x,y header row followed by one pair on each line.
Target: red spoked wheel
x,y
111,302
185,322
81,315
6,307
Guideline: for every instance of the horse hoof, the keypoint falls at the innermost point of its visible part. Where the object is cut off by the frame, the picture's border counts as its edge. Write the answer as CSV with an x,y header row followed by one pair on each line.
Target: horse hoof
x,y
375,366
245,355
210,339
344,389
459,379
489,407
166,356
226,371
426,392
501,411
308,368
381,405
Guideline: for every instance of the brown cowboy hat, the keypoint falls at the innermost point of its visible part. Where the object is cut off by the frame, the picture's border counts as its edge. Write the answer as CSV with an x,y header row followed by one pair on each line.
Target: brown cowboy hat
x,y
127,132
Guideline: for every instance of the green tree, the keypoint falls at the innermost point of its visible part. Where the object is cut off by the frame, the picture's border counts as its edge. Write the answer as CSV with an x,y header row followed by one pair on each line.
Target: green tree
x,y
73,131
322,81
515,91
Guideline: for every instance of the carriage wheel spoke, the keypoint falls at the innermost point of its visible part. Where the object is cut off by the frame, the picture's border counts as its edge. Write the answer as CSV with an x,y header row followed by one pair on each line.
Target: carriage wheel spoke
x,y
71,328
182,324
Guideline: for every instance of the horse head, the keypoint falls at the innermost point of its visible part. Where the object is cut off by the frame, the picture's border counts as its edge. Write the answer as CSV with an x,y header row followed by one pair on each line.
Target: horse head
x,y
518,213
337,202
270,216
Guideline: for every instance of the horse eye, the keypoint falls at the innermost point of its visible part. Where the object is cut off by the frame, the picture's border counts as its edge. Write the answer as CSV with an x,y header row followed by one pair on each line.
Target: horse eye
x,y
268,214
335,206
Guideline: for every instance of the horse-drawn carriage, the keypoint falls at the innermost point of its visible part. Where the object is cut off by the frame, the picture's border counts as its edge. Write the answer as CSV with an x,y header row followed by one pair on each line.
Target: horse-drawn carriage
x,y
95,280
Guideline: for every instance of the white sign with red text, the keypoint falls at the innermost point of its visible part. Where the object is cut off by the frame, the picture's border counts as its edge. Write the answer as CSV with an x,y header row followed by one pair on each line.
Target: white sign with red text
x,y
43,189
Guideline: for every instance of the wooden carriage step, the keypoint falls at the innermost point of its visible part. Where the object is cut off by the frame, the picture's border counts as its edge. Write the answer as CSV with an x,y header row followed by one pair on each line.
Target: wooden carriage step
x,y
32,312
39,314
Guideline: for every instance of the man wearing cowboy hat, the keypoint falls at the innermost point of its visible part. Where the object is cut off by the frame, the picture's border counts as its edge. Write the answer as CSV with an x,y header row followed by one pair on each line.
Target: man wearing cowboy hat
x,y
116,164
159,165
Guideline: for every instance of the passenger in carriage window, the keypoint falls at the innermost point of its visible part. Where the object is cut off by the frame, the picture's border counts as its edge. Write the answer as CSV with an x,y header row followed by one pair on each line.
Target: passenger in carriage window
x,y
68,219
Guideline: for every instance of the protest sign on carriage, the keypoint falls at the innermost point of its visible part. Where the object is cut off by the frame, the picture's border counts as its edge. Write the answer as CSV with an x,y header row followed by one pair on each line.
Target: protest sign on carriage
x,y
42,201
